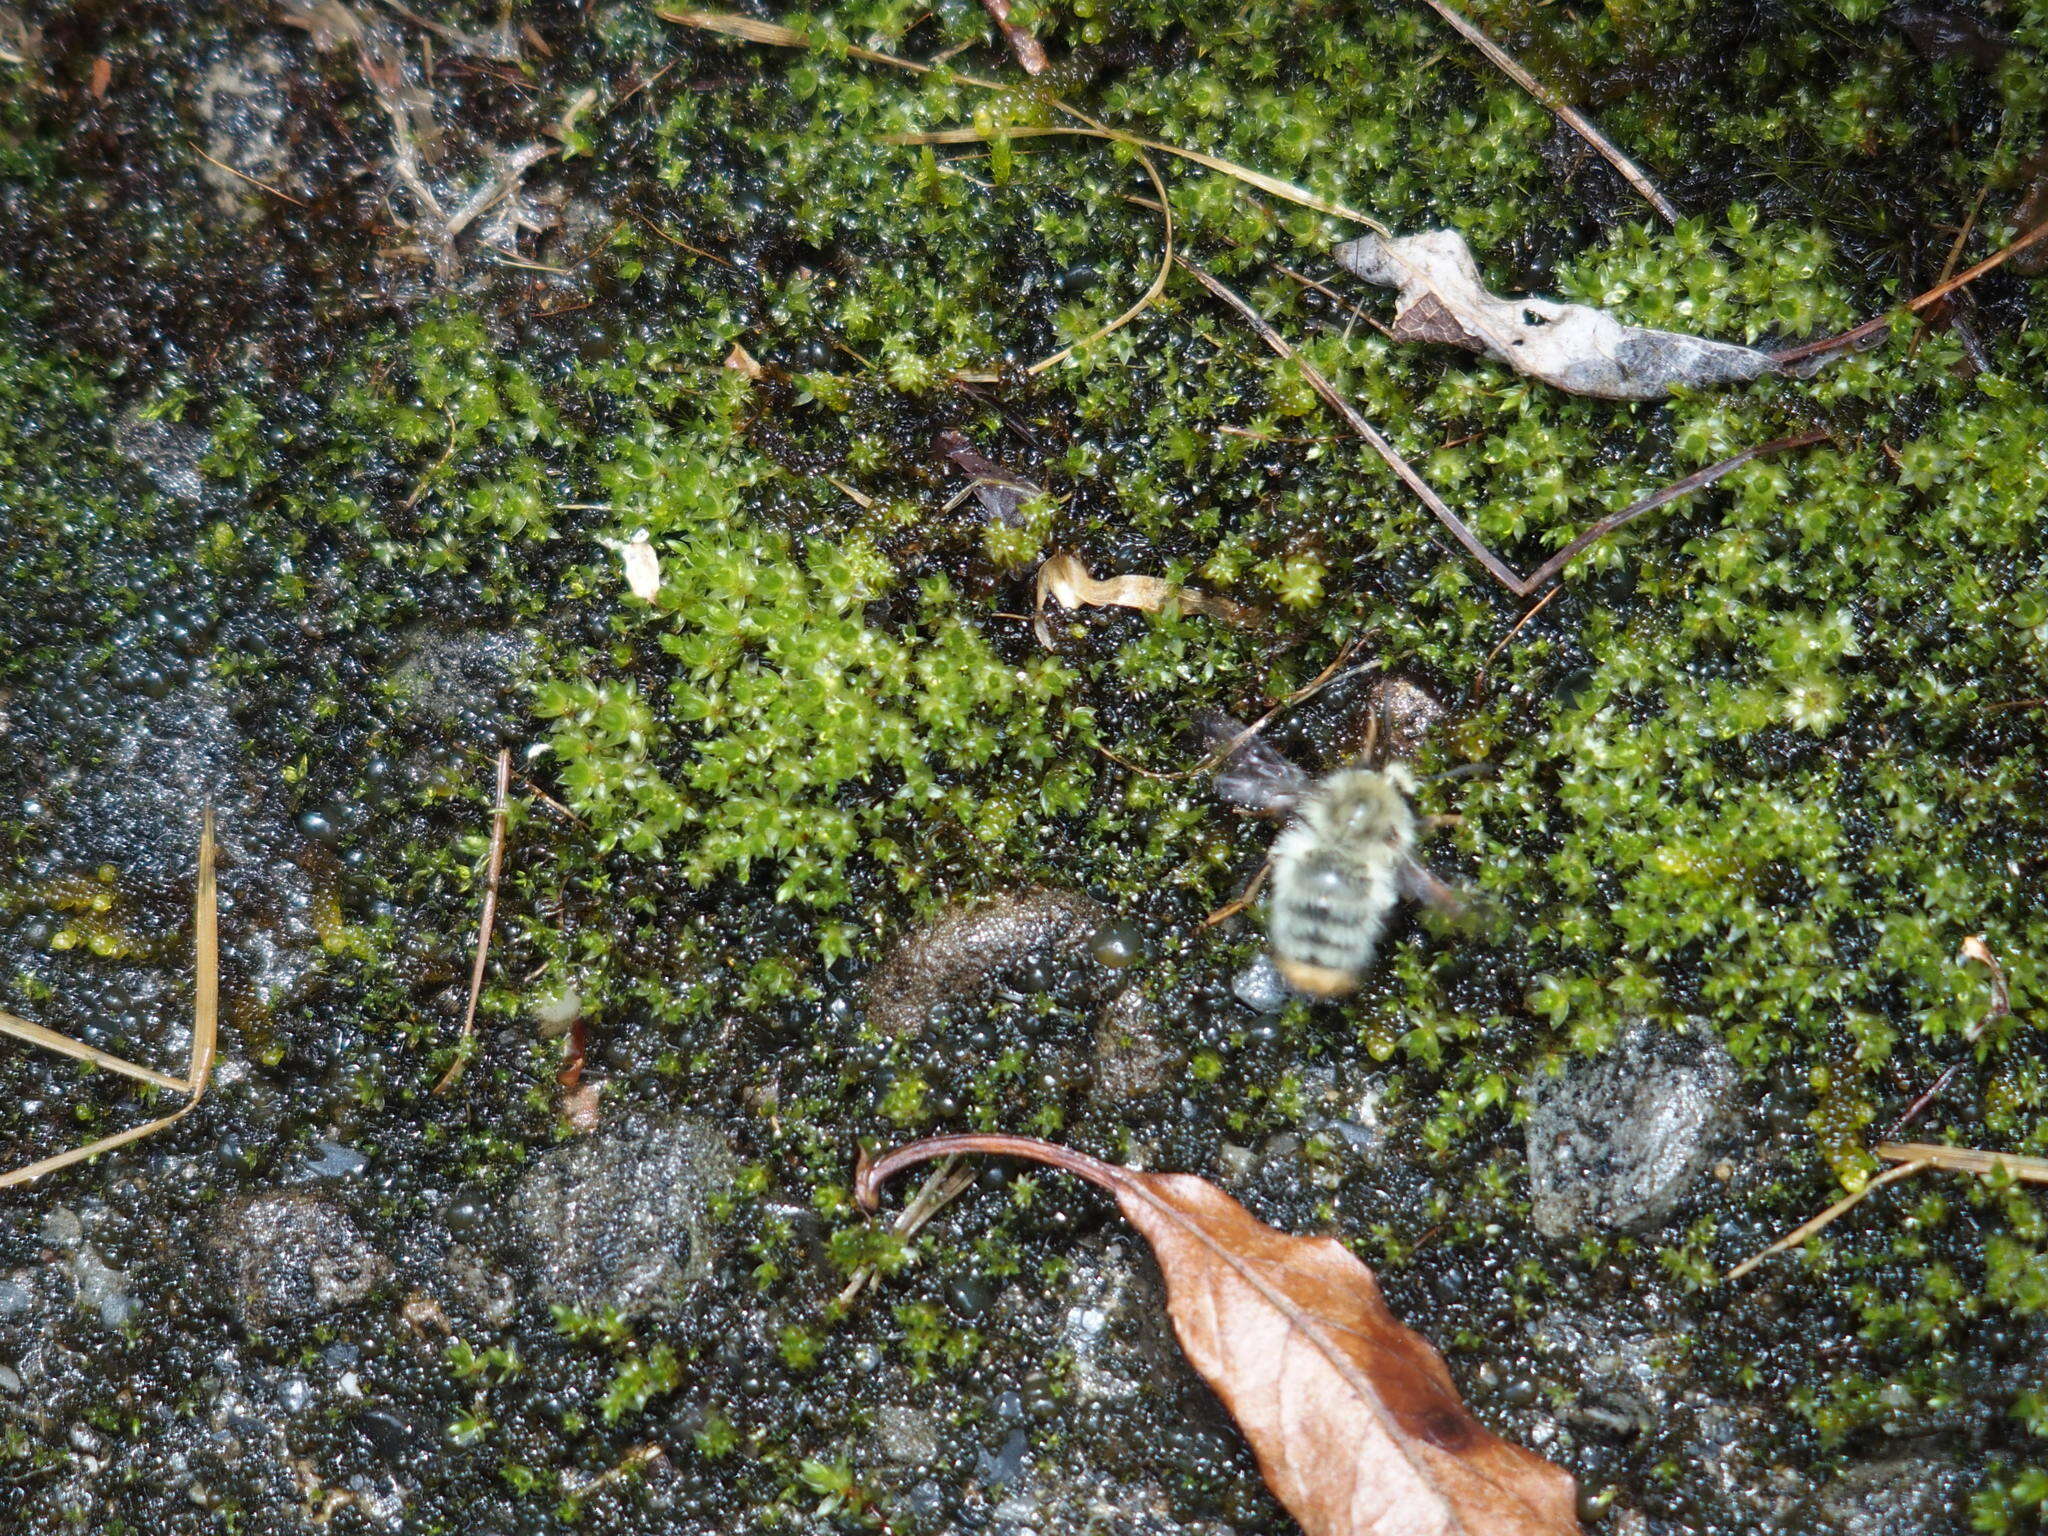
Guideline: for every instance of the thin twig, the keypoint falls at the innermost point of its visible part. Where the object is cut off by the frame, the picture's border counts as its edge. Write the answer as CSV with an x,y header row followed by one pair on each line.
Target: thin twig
x,y
1916,304
1479,678
1974,948
1577,122
499,813
1244,898
205,1026
1847,1203
1697,481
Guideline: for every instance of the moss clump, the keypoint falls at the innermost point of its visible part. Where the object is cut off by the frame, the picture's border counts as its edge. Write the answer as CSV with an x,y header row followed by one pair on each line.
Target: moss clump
x,y
793,732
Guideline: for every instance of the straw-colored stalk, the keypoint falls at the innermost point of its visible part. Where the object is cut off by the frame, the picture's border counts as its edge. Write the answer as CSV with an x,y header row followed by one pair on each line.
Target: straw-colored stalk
x,y
205,1033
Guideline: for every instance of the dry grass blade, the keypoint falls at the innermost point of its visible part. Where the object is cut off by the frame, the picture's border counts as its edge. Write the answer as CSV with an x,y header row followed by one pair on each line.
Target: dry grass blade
x,y
1927,1154
1287,191
500,810
1145,300
205,1031
747,29
946,1184
1841,1207
1582,126
64,1045
750,30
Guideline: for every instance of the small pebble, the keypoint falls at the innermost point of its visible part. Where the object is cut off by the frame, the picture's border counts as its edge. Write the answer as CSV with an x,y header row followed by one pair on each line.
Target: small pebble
x,y
1259,986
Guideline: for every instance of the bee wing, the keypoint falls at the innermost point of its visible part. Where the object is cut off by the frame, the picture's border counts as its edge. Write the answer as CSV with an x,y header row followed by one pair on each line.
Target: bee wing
x,y
1253,775
1418,884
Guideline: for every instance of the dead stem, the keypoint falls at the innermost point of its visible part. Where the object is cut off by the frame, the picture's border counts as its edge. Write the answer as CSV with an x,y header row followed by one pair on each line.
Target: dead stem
x,y
1926,1154
1582,126
499,812
1365,429
1479,678
1916,304
1974,948
245,176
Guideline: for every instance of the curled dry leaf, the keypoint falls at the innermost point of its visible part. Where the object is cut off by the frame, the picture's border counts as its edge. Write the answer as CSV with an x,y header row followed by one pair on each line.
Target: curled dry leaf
x,y
1353,1417
642,565
1575,347
1065,580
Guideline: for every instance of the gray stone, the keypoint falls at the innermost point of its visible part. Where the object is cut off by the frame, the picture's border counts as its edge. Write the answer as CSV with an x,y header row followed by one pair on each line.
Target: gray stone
x,y
908,1436
294,1255
1130,1057
1900,1496
1260,987
619,1220
1615,1142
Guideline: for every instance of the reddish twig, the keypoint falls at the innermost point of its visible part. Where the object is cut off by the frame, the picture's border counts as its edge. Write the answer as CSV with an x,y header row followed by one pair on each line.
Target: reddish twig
x,y
1029,51
1974,948
1916,304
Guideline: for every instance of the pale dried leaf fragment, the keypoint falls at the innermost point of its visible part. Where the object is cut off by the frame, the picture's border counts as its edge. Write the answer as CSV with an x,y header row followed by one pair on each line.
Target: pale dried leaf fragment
x,y
641,564
1352,1417
1575,347
1066,581
744,363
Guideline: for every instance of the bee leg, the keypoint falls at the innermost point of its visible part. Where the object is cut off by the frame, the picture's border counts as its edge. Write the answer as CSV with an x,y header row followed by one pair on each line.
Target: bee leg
x,y
1438,823
1244,898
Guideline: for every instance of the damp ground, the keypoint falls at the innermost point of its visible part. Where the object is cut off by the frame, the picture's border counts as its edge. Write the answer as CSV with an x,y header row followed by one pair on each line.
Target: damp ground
x,y
304,510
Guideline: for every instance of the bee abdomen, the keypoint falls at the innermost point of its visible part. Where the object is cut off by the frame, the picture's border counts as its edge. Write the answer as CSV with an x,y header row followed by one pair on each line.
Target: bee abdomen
x,y
1326,920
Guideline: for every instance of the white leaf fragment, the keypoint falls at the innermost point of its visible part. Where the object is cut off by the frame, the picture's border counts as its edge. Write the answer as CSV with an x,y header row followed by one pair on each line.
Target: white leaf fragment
x,y
642,564
1575,347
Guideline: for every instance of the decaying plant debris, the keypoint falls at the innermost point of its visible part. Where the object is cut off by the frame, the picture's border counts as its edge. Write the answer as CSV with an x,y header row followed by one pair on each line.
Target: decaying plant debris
x,y
1353,1417
1759,771
1573,347
1063,579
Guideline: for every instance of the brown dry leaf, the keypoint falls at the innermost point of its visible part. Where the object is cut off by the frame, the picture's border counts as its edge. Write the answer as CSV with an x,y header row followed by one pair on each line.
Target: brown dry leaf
x,y
743,362
1065,580
1577,348
1353,1417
